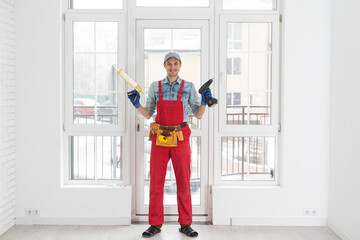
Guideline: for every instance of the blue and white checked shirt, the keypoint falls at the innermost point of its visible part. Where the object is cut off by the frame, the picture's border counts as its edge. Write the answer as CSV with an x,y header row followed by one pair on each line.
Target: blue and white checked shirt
x,y
170,92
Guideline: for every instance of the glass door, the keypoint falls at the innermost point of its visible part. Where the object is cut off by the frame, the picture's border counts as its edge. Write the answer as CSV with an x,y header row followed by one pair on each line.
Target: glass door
x,y
154,39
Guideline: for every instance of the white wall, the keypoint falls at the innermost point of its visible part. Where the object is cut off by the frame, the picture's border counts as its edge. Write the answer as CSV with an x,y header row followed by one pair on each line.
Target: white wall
x,y
39,128
344,197
7,115
305,130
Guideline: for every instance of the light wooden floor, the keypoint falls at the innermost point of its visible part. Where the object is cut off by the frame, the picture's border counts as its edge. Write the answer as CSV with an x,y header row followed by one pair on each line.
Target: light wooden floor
x,y
169,232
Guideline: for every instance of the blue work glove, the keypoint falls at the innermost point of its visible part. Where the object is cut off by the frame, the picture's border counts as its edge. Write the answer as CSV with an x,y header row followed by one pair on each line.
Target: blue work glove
x,y
134,97
205,93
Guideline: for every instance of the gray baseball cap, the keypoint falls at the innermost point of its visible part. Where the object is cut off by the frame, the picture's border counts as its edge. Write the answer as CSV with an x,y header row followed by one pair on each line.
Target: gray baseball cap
x,y
172,54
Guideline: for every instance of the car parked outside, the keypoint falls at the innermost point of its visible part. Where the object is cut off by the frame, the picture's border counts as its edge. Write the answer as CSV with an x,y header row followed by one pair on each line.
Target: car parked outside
x,y
84,106
107,112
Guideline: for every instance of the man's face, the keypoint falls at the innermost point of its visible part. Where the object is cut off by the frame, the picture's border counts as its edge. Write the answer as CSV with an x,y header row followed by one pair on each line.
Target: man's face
x,y
172,66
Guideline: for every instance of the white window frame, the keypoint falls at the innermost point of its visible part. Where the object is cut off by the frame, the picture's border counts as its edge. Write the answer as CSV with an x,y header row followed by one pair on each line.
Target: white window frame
x,y
250,11
275,79
67,10
84,128
216,15
71,129
247,130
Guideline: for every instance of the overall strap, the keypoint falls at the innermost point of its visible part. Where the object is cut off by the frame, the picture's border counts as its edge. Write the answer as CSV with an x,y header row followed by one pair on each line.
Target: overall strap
x,y
160,92
181,89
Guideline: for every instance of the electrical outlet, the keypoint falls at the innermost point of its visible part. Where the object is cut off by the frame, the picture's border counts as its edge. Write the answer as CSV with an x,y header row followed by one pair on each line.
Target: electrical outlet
x,y
36,212
310,212
313,212
28,212
306,211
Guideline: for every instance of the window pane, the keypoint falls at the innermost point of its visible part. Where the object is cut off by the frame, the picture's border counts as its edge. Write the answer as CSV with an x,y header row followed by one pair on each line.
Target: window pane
x,y
156,39
83,37
260,37
84,108
251,74
259,108
237,114
105,80
84,72
82,157
106,37
95,83
249,4
157,42
248,158
189,39
107,108
260,72
235,35
96,4
101,152
172,3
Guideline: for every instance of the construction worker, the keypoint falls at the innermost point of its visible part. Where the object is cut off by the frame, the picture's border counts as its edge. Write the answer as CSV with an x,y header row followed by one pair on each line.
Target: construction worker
x,y
171,98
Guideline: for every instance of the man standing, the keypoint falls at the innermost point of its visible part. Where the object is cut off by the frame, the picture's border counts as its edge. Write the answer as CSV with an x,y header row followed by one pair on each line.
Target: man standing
x,y
171,98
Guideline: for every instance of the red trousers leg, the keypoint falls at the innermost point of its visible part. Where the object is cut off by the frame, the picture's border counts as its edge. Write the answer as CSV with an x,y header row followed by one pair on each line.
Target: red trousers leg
x,y
181,160
159,159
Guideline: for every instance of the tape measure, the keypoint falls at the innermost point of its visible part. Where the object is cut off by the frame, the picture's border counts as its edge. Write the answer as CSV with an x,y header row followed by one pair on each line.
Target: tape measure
x,y
162,138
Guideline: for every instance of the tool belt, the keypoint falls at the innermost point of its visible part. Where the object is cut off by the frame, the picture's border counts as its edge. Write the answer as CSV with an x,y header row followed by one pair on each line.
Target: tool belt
x,y
167,136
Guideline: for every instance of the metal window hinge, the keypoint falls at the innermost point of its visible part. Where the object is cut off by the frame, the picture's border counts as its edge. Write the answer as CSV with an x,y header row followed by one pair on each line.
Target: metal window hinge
x,y
63,16
63,126
138,127
280,18
279,127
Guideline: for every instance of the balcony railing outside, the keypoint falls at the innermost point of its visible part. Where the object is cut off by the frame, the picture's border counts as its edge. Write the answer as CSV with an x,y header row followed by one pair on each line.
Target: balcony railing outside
x,y
258,115
243,158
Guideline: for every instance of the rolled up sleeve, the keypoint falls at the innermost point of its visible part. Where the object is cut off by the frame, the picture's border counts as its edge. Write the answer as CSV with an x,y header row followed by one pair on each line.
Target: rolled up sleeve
x,y
194,99
151,99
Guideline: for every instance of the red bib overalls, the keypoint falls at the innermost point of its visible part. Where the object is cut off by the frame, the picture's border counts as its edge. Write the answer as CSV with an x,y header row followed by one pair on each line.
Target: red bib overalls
x,y
170,113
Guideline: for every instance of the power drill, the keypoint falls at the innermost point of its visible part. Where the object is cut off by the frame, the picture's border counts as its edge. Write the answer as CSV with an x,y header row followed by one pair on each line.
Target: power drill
x,y
210,101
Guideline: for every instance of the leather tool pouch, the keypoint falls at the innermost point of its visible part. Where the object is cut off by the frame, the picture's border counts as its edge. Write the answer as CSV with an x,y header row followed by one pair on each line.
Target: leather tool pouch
x,y
164,136
166,141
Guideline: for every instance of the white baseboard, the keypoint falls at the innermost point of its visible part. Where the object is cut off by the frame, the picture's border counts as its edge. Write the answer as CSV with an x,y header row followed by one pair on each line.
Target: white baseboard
x,y
338,231
72,221
258,221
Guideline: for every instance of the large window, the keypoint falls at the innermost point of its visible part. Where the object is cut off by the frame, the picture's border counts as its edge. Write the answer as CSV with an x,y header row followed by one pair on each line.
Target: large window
x,y
249,54
241,52
94,110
